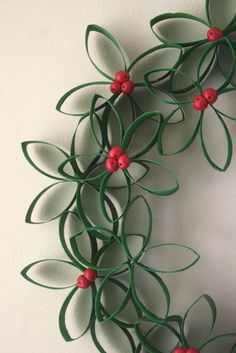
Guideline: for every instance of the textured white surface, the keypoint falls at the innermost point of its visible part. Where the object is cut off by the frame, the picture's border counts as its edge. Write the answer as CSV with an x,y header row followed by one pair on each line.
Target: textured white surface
x,y
42,56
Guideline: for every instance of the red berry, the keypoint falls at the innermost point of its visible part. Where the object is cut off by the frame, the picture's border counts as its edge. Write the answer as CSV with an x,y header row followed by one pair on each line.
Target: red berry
x,y
179,350
82,282
90,274
111,165
124,161
115,87
214,34
122,76
127,87
200,103
211,95
115,152
192,350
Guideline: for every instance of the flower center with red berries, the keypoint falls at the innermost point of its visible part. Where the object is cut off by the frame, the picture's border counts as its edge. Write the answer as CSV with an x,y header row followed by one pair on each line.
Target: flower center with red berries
x,y
209,96
117,159
214,33
87,278
122,83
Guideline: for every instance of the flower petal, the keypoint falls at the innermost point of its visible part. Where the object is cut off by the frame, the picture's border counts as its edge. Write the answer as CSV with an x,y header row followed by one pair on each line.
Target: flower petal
x,y
157,338
200,318
94,171
75,314
216,143
111,121
51,202
179,28
111,256
225,61
225,103
169,258
71,226
136,231
87,140
222,343
159,294
100,42
114,297
88,207
160,56
77,101
44,157
135,134
159,180
229,74
174,139
51,273
119,338
123,202
128,110
218,15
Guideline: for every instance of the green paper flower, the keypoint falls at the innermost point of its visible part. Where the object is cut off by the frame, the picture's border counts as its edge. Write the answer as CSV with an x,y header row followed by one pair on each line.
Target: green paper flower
x,y
194,33
202,117
127,140
60,196
189,333
83,301
77,101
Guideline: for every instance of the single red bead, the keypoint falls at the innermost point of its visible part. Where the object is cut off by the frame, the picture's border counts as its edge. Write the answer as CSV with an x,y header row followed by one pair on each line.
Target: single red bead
x,y
192,350
179,350
111,165
115,152
124,161
82,282
211,95
127,87
122,76
214,34
90,274
200,103
115,87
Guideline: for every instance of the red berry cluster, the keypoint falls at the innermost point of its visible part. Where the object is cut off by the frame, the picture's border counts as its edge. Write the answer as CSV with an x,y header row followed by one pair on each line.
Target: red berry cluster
x,y
117,159
184,350
209,96
87,278
214,33
122,83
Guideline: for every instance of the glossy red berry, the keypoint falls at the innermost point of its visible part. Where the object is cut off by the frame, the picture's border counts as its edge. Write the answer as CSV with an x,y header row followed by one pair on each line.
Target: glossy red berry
x,y
82,282
192,350
115,87
115,152
122,76
179,350
111,165
90,274
124,161
127,87
200,103
214,34
211,95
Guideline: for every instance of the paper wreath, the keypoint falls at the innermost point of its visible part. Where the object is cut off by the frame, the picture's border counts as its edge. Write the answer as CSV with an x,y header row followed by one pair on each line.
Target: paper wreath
x,y
127,159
